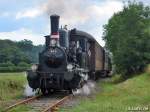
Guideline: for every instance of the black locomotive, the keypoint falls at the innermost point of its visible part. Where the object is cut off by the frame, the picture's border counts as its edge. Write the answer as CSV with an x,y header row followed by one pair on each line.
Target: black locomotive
x,y
69,59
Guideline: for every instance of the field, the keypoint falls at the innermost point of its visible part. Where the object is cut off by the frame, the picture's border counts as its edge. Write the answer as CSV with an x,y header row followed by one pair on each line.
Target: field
x,y
133,93
113,97
11,87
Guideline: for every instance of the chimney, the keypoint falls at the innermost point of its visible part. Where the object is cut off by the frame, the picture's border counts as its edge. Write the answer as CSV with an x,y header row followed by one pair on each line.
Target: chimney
x,y
54,26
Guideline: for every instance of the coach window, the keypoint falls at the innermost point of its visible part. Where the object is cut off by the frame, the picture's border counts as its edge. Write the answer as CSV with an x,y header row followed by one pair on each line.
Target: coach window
x,y
83,44
88,49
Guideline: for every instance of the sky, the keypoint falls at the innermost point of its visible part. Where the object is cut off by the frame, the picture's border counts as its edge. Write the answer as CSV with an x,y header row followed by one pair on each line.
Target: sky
x,y
29,19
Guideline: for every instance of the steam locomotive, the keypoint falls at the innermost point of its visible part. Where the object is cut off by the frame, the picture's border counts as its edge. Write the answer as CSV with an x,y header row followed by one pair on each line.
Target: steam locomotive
x,y
70,58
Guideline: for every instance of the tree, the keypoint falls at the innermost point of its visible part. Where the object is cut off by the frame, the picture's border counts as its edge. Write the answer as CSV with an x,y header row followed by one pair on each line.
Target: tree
x,y
21,51
127,37
25,44
30,50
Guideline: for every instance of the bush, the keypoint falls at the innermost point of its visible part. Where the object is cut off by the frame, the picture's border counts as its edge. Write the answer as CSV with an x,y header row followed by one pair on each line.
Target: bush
x,y
23,64
7,64
10,67
13,69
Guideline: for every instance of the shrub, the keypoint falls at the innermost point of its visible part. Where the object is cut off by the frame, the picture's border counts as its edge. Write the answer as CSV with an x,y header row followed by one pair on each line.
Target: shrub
x,y
23,64
7,64
13,69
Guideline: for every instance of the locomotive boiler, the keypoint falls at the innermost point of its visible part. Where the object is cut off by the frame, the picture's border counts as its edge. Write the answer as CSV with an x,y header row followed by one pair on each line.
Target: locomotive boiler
x,y
69,59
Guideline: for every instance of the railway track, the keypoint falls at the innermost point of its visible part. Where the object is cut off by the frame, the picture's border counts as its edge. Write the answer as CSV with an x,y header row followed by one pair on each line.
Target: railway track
x,y
42,103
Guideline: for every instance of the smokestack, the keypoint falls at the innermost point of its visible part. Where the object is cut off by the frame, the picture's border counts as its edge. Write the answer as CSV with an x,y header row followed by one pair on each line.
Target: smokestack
x,y
54,26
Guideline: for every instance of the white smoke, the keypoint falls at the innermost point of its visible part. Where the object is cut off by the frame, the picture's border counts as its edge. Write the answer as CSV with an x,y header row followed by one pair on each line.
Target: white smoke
x,y
71,11
80,11
92,15
74,12
86,90
28,91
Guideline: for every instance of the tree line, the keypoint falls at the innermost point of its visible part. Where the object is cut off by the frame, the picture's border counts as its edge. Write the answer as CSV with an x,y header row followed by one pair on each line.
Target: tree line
x,y
18,56
127,37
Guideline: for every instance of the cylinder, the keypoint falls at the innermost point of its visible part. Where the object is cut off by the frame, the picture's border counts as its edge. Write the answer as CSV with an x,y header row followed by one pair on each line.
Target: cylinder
x,y
54,25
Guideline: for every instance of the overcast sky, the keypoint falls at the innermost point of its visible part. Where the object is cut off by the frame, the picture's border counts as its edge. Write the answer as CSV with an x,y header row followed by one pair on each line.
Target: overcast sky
x,y
29,19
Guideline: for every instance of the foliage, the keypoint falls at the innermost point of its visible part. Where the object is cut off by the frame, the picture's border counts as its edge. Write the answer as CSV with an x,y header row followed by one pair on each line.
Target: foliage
x,y
13,69
127,37
17,56
10,67
25,45
30,51
23,64
10,64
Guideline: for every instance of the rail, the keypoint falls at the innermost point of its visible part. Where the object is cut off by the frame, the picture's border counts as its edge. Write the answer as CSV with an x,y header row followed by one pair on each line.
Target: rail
x,y
21,102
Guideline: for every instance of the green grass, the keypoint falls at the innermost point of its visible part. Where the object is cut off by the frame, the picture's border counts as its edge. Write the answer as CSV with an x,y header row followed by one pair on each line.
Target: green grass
x,y
117,97
113,97
11,87
21,108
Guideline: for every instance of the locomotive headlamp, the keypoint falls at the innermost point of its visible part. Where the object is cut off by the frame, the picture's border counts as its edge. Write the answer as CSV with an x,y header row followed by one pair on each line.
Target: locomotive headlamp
x,y
53,42
34,67
69,66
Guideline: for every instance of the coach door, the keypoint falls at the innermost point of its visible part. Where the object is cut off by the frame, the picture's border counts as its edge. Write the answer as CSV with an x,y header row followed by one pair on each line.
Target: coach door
x,y
91,55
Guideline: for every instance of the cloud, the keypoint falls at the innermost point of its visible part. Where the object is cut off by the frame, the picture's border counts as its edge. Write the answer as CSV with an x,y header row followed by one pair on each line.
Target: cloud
x,y
105,9
73,11
99,16
21,34
97,32
91,15
34,12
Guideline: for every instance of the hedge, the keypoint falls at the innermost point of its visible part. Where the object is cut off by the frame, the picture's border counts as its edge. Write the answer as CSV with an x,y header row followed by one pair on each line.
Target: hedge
x,y
13,69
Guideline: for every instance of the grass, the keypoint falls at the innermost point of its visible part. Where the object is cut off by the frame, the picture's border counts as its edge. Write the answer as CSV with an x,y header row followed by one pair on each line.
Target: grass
x,y
113,97
134,92
11,87
21,108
